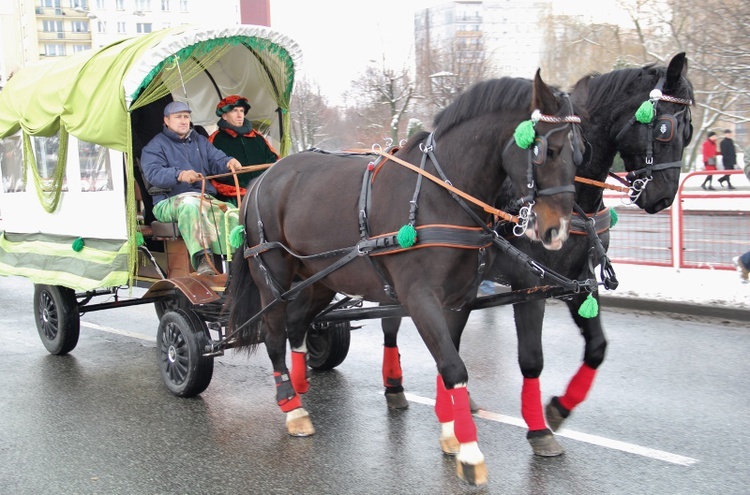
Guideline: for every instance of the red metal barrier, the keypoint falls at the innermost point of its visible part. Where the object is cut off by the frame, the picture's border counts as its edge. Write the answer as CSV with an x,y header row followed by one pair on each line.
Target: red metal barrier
x,y
702,229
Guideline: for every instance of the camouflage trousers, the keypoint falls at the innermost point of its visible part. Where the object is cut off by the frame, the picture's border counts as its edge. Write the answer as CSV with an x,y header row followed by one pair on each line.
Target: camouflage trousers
x,y
204,222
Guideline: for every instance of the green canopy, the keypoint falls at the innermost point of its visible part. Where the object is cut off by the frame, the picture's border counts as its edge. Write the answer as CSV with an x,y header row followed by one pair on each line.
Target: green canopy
x,y
90,93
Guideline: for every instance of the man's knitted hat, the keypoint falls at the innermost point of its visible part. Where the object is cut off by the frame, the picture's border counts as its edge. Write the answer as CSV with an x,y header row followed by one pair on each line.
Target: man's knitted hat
x,y
230,102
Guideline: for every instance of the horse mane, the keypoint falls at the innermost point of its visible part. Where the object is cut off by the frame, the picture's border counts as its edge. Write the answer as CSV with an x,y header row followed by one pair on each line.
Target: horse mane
x,y
505,93
630,81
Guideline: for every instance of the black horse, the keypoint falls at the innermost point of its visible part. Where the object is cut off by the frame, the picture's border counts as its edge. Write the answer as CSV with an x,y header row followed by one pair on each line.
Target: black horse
x,y
651,145
316,221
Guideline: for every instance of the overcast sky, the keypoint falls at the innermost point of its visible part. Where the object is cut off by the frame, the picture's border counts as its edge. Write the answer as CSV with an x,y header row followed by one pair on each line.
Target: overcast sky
x,y
338,39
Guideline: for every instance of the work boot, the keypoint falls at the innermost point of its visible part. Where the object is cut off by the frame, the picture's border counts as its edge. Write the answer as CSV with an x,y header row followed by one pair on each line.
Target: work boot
x,y
204,268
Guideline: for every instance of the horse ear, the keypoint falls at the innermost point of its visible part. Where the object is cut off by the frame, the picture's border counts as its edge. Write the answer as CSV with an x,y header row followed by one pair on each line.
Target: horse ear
x,y
543,98
677,68
580,94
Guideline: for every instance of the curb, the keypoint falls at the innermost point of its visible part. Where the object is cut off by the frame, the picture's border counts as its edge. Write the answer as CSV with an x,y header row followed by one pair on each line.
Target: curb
x,y
718,312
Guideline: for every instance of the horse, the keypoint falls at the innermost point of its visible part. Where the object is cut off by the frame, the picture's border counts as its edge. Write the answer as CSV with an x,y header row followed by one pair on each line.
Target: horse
x,y
651,147
319,223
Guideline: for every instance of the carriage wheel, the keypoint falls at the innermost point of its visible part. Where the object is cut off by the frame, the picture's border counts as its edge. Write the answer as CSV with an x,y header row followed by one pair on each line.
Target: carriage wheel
x,y
57,319
179,301
180,342
328,345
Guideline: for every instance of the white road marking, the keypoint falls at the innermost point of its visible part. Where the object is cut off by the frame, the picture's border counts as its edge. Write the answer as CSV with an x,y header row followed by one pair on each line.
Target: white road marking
x,y
659,455
118,331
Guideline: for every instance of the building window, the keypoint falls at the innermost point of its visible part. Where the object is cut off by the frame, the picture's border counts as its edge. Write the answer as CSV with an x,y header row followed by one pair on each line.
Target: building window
x,y
165,5
183,5
100,4
79,4
54,50
120,4
143,27
51,3
101,27
80,26
52,26
143,5
121,27
81,48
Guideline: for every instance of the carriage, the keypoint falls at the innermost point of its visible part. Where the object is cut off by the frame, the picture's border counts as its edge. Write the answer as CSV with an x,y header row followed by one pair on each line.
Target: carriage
x,y
76,213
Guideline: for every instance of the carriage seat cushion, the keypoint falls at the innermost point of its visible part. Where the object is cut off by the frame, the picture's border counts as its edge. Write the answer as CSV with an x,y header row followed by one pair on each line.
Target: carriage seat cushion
x,y
167,230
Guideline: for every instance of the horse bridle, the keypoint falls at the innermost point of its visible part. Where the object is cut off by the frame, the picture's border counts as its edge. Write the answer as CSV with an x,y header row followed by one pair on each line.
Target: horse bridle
x,y
638,179
538,157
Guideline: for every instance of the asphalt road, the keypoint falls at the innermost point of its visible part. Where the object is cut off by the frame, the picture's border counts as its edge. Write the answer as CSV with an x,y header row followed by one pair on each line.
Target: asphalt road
x,y
667,414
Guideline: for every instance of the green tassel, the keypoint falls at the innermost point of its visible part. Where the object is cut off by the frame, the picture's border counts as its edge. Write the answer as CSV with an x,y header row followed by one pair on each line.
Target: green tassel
x,y
407,236
525,134
78,245
613,218
237,236
645,113
139,240
589,308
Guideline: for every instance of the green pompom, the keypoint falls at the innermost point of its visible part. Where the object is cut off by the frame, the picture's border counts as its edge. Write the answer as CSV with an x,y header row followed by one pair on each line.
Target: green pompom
x,y
139,240
78,245
589,308
613,218
525,134
237,236
407,236
645,113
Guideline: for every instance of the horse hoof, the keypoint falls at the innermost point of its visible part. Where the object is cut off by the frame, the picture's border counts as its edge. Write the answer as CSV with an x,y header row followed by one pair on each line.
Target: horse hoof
x,y
449,445
555,416
396,401
474,474
300,427
473,406
546,446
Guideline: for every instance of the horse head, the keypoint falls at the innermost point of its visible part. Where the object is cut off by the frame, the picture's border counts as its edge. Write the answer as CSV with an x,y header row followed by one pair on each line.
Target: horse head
x,y
651,128
553,153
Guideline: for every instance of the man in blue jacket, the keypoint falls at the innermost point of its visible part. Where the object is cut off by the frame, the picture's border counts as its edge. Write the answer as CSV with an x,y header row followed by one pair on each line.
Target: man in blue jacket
x,y
177,160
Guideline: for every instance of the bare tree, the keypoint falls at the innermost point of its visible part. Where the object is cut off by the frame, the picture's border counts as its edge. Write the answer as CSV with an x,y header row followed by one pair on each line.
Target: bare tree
x,y
382,97
313,122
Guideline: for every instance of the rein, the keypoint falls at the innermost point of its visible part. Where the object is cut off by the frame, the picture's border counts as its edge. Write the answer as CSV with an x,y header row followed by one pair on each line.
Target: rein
x,y
447,185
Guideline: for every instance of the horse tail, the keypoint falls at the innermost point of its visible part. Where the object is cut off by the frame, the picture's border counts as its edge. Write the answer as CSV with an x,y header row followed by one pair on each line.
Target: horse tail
x,y
243,302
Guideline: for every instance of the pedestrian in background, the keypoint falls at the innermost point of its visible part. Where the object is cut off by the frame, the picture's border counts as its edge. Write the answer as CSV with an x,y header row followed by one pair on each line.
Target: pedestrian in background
x,y
728,157
709,159
742,263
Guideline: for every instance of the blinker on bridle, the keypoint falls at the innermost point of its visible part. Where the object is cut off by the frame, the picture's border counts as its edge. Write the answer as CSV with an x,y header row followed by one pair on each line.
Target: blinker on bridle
x,y
647,115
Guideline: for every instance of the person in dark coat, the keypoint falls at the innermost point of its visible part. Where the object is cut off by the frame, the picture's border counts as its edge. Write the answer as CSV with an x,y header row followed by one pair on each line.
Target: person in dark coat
x,y
176,161
236,137
729,157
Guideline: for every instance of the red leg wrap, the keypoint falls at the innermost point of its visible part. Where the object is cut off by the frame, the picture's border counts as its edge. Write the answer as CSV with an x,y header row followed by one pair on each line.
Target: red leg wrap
x,y
579,387
392,376
287,405
531,405
286,397
464,427
443,402
299,372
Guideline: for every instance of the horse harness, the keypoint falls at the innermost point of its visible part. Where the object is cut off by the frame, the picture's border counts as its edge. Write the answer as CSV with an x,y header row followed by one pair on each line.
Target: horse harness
x,y
462,237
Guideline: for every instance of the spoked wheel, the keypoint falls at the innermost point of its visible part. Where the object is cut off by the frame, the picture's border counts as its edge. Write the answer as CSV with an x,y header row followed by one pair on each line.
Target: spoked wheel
x,y
328,345
179,301
57,319
180,343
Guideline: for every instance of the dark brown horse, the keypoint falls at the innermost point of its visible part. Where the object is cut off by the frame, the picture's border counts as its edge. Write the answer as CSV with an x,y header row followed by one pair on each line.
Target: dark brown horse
x,y
320,223
651,149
